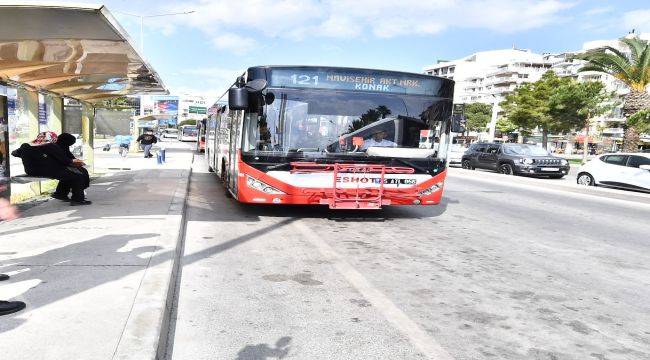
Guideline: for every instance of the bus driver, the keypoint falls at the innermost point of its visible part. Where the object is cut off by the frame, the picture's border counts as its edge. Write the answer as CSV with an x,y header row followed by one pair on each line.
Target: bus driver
x,y
378,139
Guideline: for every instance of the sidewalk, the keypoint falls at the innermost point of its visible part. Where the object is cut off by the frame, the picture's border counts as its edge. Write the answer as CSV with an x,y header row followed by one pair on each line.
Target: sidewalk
x,y
96,279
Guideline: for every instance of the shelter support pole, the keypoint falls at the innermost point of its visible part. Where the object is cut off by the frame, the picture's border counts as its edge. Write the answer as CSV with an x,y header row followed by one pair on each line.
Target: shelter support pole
x,y
56,114
29,100
88,134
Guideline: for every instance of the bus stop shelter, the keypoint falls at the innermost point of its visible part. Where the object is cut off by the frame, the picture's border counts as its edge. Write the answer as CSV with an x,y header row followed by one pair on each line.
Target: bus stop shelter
x,y
54,54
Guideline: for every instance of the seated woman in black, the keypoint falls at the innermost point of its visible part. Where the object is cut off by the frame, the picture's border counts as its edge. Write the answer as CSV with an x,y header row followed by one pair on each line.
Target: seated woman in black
x,y
64,141
44,158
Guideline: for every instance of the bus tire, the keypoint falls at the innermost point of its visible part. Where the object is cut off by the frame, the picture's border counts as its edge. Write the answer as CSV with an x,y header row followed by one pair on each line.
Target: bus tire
x,y
224,180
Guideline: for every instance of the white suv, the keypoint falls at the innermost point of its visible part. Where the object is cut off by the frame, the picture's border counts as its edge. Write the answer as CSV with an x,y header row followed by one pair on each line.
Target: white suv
x,y
622,170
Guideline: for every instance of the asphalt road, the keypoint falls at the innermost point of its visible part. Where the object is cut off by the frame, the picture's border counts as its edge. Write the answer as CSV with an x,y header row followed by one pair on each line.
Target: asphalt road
x,y
497,271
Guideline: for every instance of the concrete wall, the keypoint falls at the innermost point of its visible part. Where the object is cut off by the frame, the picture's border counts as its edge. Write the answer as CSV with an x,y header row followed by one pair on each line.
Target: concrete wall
x,y
112,122
72,116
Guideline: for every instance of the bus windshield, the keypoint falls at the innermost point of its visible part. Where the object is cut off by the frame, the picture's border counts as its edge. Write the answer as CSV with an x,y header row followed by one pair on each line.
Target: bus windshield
x,y
190,131
330,121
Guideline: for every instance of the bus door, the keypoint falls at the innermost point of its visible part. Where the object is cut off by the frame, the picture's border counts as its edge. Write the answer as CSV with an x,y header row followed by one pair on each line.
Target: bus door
x,y
235,130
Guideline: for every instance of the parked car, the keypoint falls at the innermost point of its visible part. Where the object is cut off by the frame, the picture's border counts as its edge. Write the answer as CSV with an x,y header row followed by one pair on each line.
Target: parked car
x,y
515,159
620,170
455,154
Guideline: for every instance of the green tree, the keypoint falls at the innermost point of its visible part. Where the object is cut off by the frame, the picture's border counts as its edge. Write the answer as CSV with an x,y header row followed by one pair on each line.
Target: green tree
x,y
641,121
187,122
574,105
633,70
478,115
528,106
116,103
505,126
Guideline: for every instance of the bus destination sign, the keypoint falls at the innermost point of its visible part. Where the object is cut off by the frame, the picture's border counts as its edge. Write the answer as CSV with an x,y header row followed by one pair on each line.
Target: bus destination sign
x,y
357,81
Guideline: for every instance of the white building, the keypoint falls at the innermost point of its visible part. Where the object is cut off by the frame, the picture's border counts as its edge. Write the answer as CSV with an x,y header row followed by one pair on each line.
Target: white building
x,y
488,76
484,75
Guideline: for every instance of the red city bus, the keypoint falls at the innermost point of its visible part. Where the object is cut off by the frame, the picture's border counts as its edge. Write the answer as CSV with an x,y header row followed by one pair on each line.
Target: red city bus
x,y
343,137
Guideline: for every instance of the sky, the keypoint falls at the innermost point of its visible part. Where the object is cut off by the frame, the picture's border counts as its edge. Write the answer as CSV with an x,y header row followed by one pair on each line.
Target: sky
x,y
201,53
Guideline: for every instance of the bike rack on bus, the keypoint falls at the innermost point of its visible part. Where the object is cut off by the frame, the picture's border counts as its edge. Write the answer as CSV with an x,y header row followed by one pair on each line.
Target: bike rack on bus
x,y
352,198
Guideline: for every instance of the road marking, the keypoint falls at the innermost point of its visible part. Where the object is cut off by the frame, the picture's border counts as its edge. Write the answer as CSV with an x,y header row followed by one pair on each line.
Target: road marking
x,y
568,190
418,337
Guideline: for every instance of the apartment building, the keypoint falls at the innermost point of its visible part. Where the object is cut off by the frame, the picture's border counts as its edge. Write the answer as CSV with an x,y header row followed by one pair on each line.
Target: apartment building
x,y
488,76
484,75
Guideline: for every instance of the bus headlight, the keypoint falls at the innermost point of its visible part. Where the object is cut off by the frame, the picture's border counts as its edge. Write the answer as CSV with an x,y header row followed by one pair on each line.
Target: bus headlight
x,y
263,187
435,187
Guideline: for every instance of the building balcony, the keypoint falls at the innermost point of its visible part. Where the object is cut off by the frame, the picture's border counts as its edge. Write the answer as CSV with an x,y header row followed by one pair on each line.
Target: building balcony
x,y
613,131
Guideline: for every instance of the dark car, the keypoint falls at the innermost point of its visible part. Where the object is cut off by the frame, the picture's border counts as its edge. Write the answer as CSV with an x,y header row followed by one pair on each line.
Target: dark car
x,y
515,159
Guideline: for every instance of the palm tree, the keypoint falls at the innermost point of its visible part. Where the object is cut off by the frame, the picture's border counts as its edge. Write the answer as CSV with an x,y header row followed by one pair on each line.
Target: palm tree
x,y
633,70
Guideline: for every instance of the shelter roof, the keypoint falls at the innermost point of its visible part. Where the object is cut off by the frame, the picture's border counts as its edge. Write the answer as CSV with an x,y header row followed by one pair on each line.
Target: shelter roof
x,y
77,51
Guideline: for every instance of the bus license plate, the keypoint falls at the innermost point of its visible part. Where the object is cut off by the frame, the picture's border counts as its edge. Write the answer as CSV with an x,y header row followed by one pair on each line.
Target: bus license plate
x,y
550,169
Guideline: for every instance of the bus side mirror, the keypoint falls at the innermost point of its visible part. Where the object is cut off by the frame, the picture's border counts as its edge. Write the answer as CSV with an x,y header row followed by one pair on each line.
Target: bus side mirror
x,y
256,85
238,98
457,124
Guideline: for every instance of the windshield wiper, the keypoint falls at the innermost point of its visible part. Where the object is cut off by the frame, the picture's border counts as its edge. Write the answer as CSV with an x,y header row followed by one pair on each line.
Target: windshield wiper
x,y
277,166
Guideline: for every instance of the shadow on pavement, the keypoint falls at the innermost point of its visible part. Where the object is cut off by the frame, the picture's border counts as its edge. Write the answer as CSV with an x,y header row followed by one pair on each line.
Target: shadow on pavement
x,y
68,283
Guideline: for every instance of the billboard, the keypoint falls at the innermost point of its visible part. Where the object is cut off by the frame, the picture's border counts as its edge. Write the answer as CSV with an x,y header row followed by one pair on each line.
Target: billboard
x,y
165,105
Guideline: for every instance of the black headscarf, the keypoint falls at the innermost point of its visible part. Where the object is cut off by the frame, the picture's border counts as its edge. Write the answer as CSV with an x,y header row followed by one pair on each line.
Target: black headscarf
x,y
64,141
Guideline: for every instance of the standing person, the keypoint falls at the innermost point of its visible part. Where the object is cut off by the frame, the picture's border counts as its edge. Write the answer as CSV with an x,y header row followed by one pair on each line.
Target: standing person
x,y
147,140
44,158
8,212
123,144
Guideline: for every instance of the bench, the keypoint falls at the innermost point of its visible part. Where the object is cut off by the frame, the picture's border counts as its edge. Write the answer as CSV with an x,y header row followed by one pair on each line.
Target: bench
x,y
26,179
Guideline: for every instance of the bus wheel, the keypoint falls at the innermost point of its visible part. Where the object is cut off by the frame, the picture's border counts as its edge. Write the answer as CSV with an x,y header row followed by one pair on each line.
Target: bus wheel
x,y
224,181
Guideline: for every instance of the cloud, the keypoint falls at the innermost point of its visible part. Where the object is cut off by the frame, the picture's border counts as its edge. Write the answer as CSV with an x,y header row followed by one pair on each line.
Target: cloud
x,y
235,43
210,82
637,19
223,20
599,10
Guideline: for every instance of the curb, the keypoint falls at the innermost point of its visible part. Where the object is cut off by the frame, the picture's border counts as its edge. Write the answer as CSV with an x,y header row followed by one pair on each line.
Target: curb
x,y
145,334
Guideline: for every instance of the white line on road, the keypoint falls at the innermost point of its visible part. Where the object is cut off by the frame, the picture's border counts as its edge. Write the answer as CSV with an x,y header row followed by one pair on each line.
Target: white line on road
x,y
569,191
418,337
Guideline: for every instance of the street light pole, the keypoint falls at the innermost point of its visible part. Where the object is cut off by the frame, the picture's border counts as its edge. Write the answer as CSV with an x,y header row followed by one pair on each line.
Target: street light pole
x,y
493,120
142,35
149,16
